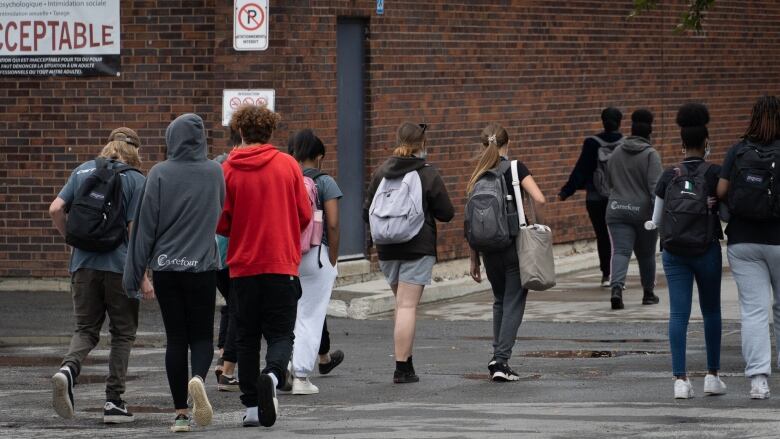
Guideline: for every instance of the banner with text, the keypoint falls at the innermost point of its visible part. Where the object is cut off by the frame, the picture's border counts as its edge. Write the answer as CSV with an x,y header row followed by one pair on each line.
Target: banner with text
x,y
59,37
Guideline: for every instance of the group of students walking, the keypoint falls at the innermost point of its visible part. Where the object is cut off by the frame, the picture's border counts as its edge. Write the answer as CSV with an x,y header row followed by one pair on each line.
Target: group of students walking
x,y
631,198
275,254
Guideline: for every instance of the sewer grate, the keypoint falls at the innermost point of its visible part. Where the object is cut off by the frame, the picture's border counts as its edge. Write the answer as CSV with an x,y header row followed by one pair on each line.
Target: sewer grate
x,y
586,354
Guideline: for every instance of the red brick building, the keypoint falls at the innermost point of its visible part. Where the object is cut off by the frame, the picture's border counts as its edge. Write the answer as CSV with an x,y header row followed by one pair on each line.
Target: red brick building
x,y
544,69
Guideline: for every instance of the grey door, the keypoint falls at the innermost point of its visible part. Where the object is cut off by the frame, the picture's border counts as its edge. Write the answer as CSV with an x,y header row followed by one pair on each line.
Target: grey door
x,y
350,52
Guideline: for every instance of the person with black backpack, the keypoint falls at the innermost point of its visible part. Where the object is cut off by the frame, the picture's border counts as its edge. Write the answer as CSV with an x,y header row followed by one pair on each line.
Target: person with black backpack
x,y
174,236
405,198
686,211
491,228
589,173
750,186
94,211
633,171
318,269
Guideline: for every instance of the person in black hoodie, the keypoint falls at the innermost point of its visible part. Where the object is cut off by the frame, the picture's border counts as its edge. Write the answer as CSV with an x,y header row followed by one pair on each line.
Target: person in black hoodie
x,y
408,266
581,177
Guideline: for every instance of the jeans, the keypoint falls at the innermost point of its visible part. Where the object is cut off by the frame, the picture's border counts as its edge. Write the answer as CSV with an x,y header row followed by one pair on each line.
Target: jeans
x,y
756,269
628,237
267,306
97,294
680,272
227,321
187,306
503,272
597,211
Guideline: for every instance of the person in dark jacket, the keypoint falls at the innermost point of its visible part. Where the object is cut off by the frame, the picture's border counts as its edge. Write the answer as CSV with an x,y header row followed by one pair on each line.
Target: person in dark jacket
x,y
581,177
408,266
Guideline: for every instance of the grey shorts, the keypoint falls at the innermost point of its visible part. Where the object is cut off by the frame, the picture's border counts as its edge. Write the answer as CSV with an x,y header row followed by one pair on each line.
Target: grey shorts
x,y
415,272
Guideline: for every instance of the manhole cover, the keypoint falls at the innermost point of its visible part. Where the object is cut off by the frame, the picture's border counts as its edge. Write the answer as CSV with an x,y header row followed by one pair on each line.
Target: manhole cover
x,y
486,376
586,354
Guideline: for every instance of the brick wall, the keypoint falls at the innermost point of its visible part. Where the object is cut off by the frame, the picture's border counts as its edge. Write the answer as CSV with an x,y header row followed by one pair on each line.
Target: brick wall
x,y
543,69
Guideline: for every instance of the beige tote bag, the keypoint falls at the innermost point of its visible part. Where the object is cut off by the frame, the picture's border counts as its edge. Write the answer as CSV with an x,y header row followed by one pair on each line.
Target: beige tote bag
x,y
534,245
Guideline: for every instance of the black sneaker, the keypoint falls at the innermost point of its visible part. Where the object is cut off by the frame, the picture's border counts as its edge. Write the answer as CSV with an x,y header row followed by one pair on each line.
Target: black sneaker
x,y
227,383
267,402
503,373
404,372
116,412
649,298
617,297
336,357
62,392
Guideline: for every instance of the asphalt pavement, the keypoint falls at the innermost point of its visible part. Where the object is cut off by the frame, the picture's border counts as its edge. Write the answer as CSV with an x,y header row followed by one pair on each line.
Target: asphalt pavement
x,y
586,372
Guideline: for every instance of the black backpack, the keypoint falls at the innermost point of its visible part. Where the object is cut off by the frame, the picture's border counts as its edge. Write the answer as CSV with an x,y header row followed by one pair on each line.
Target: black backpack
x,y
96,218
605,151
754,190
688,226
491,217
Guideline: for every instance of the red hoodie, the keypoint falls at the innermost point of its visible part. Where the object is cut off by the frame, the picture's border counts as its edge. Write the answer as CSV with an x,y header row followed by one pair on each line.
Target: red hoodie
x,y
266,208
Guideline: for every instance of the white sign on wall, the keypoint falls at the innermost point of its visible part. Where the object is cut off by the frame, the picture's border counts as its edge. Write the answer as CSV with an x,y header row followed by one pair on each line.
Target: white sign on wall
x,y
250,25
232,99
59,38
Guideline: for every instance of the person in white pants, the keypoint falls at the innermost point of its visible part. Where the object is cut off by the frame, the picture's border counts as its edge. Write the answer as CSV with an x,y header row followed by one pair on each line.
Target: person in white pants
x,y
318,266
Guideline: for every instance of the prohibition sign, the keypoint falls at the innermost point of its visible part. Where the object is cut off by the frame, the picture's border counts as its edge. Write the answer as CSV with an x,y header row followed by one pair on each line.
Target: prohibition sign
x,y
254,17
262,102
235,103
249,101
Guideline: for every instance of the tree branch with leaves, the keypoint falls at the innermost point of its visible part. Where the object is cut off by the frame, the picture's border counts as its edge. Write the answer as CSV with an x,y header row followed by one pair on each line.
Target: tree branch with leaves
x,y
690,20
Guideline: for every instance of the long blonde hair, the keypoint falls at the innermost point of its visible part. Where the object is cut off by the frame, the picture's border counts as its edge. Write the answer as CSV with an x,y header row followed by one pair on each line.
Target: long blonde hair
x,y
122,151
493,137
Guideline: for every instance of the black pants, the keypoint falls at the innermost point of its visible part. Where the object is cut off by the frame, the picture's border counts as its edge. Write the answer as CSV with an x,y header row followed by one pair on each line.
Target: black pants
x,y
325,340
267,306
187,306
227,321
597,211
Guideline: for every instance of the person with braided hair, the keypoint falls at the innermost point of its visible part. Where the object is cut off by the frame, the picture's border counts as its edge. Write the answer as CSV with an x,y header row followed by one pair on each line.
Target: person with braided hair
x,y
749,184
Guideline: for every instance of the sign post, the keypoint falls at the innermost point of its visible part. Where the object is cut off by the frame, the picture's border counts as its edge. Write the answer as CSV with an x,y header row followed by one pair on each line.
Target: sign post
x,y
232,99
250,25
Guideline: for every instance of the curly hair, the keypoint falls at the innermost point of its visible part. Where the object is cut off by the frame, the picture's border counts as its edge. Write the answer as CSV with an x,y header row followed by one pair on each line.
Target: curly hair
x,y
256,124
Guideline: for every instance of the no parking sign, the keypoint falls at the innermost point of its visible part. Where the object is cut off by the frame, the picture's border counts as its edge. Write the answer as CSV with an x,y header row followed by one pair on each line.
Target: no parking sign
x,y
250,25
232,99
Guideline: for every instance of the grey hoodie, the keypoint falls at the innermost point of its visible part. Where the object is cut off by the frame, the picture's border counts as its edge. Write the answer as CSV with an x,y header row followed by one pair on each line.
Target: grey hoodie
x,y
632,172
182,201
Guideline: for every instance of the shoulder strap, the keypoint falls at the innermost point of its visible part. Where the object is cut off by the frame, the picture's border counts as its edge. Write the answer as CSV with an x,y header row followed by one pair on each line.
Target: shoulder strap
x,y
314,174
503,166
518,194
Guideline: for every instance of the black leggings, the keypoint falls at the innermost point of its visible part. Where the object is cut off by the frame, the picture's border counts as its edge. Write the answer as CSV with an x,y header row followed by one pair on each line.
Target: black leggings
x,y
597,211
187,306
227,322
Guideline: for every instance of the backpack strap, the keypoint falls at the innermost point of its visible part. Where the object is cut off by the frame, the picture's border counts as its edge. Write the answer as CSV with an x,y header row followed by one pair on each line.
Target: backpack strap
x,y
314,174
518,194
503,166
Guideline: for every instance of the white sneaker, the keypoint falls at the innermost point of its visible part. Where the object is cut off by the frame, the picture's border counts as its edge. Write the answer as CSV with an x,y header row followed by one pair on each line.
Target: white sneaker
x,y
683,389
201,407
759,388
251,417
713,385
302,386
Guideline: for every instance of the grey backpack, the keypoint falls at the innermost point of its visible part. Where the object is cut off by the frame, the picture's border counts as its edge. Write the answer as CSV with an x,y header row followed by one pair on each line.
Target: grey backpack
x,y
600,174
396,213
487,224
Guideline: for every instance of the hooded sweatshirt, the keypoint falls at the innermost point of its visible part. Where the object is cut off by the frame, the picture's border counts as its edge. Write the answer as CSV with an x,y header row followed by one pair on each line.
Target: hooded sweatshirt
x,y
266,210
436,205
633,171
181,204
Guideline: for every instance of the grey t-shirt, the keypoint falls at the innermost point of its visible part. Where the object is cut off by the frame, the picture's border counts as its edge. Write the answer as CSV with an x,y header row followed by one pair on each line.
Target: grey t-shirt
x,y
132,188
327,189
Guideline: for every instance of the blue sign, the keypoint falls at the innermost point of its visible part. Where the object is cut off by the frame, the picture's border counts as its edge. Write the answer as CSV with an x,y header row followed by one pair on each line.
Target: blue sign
x,y
380,7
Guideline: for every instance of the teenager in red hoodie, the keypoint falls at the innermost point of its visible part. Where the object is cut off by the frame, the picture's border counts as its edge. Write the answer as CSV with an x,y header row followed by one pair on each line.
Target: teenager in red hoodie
x,y
266,208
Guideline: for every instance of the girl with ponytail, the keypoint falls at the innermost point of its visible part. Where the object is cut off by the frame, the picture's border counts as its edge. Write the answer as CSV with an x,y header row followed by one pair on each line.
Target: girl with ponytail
x,y
502,267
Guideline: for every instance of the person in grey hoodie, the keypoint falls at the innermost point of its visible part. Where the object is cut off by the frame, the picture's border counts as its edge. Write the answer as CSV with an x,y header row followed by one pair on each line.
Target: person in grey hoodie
x,y
174,231
632,173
